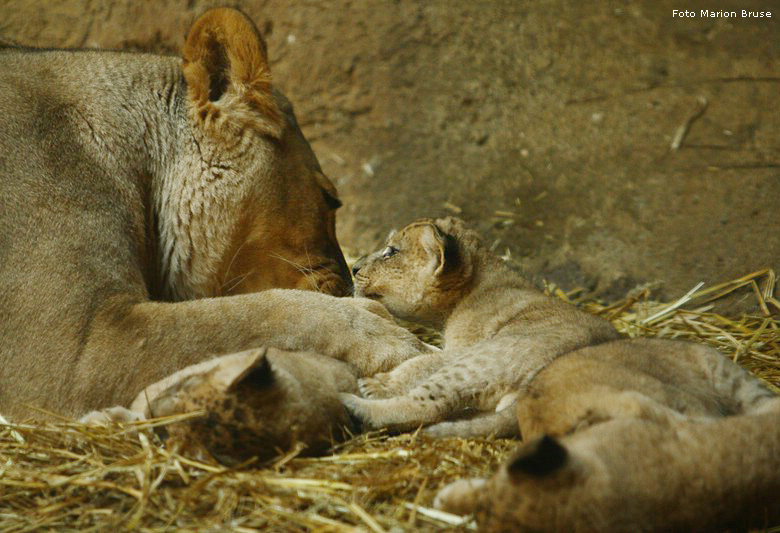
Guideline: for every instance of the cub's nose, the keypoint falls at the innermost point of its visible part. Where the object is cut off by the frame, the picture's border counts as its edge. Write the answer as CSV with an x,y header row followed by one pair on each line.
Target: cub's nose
x,y
358,265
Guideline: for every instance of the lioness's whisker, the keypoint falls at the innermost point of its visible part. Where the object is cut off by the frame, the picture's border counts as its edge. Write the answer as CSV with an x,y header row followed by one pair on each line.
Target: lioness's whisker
x,y
230,265
308,272
235,282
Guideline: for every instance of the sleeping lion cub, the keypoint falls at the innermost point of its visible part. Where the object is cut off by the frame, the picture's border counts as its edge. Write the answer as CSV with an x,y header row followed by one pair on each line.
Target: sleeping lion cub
x,y
508,344
256,403
635,435
634,474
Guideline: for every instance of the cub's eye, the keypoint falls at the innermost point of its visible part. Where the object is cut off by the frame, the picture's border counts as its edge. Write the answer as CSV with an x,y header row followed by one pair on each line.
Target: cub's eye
x,y
331,201
389,252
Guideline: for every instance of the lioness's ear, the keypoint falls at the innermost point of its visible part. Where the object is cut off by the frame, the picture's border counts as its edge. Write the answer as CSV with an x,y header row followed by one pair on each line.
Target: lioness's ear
x,y
225,66
442,247
538,458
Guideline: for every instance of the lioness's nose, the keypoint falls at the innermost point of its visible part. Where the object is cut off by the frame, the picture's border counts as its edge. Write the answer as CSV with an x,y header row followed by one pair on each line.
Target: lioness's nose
x,y
358,265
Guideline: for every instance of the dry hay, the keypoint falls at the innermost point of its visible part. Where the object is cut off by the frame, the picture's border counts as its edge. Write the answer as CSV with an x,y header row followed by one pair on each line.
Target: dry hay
x,y
64,476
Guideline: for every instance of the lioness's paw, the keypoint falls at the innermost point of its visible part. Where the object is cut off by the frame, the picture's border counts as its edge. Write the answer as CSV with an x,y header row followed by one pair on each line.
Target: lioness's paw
x,y
110,415
380,345
460,497
375,386
374,307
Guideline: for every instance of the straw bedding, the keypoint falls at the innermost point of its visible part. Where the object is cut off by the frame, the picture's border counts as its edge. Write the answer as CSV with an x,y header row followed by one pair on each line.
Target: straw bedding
x,y
62,476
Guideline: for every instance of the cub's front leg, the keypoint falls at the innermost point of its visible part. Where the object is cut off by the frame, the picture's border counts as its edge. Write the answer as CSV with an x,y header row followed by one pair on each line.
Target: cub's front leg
x,y
403,377
501,424
401,413
426,403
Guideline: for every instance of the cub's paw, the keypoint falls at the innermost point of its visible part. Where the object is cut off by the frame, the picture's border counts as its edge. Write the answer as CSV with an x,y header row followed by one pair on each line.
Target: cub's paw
x,y
359,410
375,386
460,497
443,429
111,415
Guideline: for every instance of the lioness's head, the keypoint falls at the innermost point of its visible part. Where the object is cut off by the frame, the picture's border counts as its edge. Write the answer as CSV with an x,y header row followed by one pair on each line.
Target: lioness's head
x,y
422,270
247,206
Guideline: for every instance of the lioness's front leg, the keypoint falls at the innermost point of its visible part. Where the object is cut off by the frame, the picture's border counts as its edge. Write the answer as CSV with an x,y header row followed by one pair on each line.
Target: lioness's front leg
x,y
144,342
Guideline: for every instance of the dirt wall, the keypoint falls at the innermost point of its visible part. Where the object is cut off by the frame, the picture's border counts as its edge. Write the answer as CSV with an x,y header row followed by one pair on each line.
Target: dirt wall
x,y
547,124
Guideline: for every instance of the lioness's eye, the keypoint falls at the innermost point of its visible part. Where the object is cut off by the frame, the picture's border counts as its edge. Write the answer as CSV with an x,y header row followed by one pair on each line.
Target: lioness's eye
x,y
389,252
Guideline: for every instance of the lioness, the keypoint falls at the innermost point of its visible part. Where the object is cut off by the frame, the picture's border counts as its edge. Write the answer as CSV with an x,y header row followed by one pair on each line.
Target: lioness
x,y
507,343
142,198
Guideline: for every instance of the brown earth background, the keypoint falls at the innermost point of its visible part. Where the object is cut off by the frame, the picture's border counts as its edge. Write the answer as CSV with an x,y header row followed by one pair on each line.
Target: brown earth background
x,y
546,124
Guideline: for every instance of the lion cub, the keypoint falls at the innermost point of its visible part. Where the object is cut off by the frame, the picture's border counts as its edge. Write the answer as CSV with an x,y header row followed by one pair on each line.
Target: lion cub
x,y
620,433
633,474
255,403
499,331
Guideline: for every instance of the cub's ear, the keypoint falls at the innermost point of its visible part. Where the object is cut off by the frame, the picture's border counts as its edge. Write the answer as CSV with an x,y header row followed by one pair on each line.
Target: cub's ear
x,y
538,458
256,373
248,366
225,66
442,247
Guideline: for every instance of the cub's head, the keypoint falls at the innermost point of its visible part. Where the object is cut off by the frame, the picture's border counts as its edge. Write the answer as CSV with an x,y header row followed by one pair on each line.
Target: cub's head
x,y
536,490
246,206
252,407
422,271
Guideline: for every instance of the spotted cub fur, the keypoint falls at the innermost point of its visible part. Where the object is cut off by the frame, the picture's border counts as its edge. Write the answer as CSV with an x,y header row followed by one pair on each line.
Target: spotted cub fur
x,y
499,331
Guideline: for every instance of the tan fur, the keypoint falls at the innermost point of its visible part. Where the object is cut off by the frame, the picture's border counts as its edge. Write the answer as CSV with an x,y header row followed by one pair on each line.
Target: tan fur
x,y
257,403
655,435
142,198
499,332
636,378
633,474
660,435
648,424
219,37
